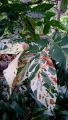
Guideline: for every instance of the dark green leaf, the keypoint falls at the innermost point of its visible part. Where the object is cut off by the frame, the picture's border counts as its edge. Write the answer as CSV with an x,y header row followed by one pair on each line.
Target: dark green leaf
x,y
46,85
4,117
13,15
1,31
64,112
53,90
18,109
63,42
56,24
29,27
50,93
58,107
50,14
36,110
43,7
43,117
65,117
57,54
38,45
39,23
43,42
46,29
36,100
56,36
34,73
3,23
24,105
13,7
4,1
33,48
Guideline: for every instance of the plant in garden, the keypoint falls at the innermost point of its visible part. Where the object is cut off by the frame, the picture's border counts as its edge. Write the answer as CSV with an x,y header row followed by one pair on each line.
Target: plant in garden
x,y
38,75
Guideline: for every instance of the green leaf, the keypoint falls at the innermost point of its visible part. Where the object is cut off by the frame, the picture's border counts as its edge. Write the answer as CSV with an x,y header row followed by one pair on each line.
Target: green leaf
x,y
57,54
51,94
18,109
56,23
44,117
13,15
46,29
64,6
53,90
3,23
43,7
36,100
4,117
52,71
39,23
46,85
24,105
50,14
34,62
32,67
35,14
34,48
32,21
34,72
38,45
58,107
29,27
56,36
4,1
13,7
1,31
42,43
36,110
64,112
47,79
63,42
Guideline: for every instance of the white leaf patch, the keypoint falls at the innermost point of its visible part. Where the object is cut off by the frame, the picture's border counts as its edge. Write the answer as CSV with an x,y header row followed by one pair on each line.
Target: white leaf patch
x,y
13,49
11,71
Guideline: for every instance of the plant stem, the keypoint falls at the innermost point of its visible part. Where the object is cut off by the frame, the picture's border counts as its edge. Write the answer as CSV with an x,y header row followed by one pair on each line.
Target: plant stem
x,y
58,13
59,10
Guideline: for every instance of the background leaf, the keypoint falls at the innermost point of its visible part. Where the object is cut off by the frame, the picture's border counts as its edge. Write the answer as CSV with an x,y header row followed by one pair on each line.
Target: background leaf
x,y
4,1
18,109
43,7
46,29
58,55
35,14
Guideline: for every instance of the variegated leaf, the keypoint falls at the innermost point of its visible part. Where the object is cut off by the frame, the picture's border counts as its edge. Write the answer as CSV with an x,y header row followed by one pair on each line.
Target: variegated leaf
x,y
11,71
43,77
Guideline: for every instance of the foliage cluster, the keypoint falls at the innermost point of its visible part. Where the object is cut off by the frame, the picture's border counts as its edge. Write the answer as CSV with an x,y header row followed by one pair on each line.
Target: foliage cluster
x,y
18,22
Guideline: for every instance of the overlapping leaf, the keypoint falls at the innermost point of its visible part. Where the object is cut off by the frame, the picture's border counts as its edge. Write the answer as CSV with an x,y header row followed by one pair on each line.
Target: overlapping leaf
x,y
43,7
59,51
43,78
13,7
35,14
